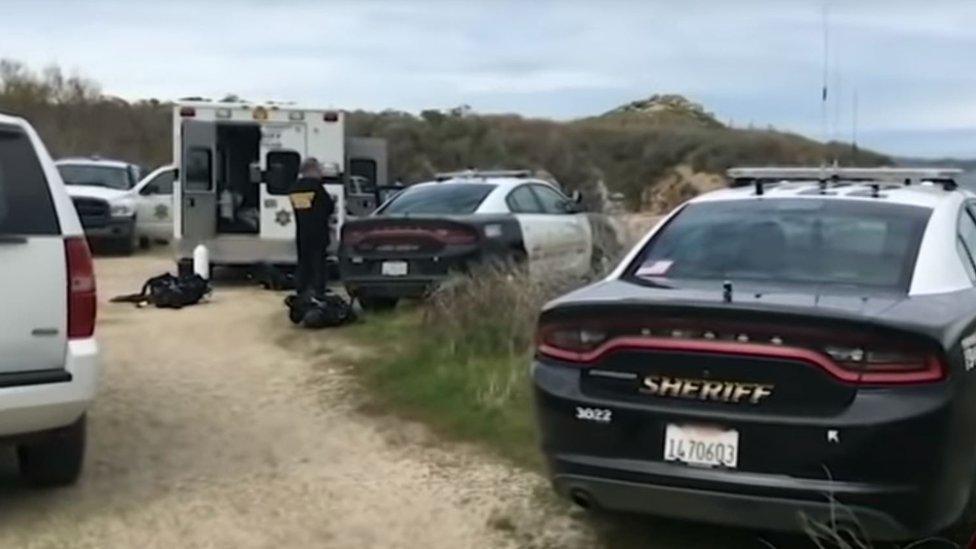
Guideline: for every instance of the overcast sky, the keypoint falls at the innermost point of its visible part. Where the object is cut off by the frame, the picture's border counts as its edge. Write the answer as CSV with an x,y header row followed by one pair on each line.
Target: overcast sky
x,y
913,63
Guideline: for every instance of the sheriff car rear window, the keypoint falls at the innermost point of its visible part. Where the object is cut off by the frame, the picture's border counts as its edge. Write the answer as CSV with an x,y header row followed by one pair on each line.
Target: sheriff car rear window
x,y
439,199
25,200
788,241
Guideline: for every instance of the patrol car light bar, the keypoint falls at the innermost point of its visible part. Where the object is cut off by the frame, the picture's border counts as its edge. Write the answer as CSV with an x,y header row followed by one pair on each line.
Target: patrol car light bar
x,y
905,176
482,174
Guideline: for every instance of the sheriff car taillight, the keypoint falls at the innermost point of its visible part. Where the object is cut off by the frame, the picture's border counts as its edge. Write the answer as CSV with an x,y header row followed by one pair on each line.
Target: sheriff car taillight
x,y
851,356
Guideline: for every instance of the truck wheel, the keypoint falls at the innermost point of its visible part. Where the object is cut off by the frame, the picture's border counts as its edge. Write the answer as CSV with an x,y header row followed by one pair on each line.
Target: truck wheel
x,y
378,303
57,459
127,244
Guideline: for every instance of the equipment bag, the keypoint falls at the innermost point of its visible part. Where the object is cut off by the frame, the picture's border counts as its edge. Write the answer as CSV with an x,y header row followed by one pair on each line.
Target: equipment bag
x,y
317,312
169,292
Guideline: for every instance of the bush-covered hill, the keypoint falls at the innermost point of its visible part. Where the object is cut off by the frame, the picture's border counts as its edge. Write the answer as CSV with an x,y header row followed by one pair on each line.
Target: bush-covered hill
x,y
630,149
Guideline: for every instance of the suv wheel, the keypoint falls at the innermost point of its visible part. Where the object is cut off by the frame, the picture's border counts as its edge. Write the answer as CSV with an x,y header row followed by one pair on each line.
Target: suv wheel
x,y
55,460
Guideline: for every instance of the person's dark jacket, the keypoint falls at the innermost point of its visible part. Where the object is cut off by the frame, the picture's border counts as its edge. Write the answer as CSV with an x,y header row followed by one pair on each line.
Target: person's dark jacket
x,y
313,208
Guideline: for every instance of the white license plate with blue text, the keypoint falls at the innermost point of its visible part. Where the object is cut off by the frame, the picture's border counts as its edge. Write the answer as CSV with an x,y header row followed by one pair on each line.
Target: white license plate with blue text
x,y
394,268
701,445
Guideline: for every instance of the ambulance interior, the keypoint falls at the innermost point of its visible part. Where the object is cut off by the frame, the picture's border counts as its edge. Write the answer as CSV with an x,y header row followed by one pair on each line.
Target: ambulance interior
x,y
238,198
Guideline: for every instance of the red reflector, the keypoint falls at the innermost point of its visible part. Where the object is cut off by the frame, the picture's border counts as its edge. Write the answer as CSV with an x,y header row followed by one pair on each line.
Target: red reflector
x,y
188,112
81,288
330,116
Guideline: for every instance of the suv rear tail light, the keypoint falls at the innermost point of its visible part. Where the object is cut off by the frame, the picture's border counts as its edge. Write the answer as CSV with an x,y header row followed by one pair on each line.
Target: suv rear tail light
x,y
188,112
81,288
874,360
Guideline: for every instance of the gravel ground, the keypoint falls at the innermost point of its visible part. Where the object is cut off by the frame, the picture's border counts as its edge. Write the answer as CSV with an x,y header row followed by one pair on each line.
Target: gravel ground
x,y
219,426
212,429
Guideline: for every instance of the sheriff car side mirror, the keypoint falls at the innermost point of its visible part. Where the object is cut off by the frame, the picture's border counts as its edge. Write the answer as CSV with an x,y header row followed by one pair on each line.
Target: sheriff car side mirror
x,y
254,172
577,197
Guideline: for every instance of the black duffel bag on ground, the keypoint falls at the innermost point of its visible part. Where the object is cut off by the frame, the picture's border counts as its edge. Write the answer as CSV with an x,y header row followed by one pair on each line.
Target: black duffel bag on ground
x,y
169,292
316,312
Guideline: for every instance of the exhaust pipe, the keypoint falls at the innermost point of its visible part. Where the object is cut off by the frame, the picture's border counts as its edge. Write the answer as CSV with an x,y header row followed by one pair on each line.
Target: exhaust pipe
x,y
581,498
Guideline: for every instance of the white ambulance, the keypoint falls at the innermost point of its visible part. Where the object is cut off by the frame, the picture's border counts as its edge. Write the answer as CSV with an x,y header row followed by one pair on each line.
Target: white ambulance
x,y
236,163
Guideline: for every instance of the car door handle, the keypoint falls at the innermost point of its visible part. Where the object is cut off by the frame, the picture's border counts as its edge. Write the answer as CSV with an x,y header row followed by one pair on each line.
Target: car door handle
x,y
12,239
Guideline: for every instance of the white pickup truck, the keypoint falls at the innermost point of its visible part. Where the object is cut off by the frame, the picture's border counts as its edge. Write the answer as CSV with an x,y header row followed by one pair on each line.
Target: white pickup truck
x,y
48,353
106,196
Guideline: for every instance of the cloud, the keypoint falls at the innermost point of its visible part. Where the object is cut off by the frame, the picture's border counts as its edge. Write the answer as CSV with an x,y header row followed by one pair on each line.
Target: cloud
x,y
758,61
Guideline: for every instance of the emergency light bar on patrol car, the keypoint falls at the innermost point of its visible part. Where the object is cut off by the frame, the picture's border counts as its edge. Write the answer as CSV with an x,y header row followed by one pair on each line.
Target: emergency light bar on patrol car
x,y
482,174
946,177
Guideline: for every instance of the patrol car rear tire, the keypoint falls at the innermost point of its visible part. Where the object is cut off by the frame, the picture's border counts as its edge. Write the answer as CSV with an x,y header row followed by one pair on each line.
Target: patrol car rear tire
x,y
57,459
378,303
963,531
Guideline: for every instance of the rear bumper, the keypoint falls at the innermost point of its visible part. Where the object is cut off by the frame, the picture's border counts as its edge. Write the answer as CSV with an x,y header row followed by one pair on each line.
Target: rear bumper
x,y
392,287
28,409
729,509
239,249
903,465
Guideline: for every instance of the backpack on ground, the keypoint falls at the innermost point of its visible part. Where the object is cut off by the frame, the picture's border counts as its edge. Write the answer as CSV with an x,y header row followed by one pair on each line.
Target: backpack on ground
x,y
317,312
169,292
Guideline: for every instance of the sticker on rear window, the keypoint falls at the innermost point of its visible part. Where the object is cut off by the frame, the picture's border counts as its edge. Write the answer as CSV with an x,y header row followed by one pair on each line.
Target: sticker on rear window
x,y
656,268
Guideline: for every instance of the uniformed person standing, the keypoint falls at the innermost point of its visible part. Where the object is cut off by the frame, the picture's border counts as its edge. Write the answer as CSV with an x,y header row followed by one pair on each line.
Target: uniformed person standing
x,y
313,207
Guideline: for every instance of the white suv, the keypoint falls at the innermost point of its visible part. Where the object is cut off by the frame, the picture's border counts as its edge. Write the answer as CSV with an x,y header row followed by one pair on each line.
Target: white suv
x,y
48,353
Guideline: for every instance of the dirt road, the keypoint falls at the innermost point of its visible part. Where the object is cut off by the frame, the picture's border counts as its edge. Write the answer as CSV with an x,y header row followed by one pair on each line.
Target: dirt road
x,y
210,432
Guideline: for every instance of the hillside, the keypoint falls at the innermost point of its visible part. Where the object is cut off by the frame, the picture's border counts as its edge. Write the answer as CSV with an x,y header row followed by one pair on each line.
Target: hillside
x,y
650,150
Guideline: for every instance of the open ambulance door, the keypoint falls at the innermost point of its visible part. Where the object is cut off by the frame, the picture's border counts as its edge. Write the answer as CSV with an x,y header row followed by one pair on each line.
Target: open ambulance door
x,y
365,174
198,180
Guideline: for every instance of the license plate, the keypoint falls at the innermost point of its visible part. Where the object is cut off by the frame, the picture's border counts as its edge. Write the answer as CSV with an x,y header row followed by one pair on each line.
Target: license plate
x,y
702,446
394,268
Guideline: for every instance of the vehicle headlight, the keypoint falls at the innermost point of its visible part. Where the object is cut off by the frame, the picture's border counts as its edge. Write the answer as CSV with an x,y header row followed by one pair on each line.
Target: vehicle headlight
x,y
122,209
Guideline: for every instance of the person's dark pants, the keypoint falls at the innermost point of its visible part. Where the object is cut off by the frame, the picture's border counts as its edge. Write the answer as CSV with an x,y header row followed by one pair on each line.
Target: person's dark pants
x,y
312,274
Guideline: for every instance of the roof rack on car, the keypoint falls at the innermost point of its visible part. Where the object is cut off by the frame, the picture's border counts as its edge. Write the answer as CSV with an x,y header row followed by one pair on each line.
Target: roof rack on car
x,y
482,174
741,177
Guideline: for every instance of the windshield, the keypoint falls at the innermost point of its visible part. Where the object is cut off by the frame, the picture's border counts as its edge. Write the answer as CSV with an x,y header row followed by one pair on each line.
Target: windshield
x,y
788,241
97,176
443,198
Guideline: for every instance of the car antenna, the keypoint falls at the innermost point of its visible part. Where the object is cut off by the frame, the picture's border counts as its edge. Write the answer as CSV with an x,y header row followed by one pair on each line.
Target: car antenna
x,y
727,291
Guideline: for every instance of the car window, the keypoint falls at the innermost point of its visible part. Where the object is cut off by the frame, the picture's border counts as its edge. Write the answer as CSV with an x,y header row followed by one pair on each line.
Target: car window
x,y
111,177
553,201
199,169
966,243
439,199
788,241
162,183
26,207
523,200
